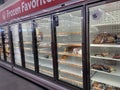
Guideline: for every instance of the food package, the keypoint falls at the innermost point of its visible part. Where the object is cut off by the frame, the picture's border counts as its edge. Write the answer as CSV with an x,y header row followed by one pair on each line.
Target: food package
x,y
77,51
103,54
63,57
104,38
101,67
102,86
98,86
116,56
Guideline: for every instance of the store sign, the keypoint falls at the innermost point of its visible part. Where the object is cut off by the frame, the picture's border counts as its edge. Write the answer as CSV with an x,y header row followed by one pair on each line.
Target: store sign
x,y
26,7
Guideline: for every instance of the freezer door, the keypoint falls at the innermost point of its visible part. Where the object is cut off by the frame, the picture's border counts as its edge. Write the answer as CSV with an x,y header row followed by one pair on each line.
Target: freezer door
x,y
27,43
1,46
7,43
43,33
69,46
16,44
105,46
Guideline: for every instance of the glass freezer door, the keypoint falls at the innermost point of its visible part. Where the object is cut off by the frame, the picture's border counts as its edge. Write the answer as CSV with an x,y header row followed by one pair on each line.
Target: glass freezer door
x,y
69,45
27,42
16,44
43,32
105,46
1,46
7,44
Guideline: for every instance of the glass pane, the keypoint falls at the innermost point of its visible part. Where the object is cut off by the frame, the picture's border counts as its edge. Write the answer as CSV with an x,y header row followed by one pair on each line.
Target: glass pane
x,y
7,44
1,46
16,42
69,42
27,41
43,32
105,46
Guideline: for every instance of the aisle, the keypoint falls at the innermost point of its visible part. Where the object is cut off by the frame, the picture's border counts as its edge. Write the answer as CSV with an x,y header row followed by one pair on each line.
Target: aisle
x,y
10,81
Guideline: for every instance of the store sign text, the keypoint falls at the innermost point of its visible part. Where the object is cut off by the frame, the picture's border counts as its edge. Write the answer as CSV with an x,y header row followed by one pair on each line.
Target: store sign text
x,y
25,6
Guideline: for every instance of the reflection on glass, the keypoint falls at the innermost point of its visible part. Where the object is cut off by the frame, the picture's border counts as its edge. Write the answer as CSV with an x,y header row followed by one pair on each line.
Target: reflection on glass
x,y
43,32
27,41
15,35
105,46
1,46
7,45
69,38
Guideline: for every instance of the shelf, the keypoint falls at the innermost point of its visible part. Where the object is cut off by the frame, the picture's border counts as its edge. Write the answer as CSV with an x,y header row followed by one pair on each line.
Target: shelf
x,y
28,61
71,81
72,74
45,66
67,33
105,45
70,44
46,72
27,42
62,34
70,64
29,55
30,67
43,58
107,79
45,52
69,54
105,25
105,58
27,48
48,36
41,46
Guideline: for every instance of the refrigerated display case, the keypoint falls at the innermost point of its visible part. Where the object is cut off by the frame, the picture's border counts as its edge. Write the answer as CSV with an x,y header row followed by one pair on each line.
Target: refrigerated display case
x,y
16,44
7,43
69,47
1,45
27,44
104,29
43,33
